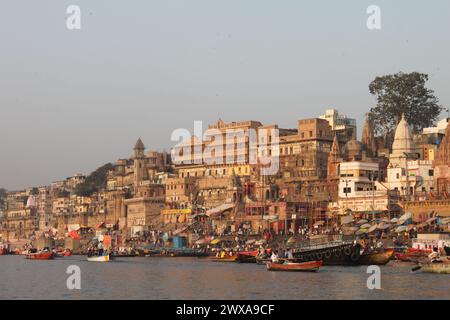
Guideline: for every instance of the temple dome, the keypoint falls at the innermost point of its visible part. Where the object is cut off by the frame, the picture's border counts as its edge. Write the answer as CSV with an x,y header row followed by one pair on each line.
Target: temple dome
x,y
354,150
354,146
139,145
403,141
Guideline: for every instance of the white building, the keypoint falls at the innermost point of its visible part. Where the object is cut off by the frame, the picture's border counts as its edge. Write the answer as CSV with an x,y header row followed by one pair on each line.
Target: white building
x,y
415,177
340,122
360,189
439,129
406,173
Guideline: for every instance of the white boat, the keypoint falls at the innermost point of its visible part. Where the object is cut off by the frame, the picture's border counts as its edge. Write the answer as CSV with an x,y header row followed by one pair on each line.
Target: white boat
x,y
99,258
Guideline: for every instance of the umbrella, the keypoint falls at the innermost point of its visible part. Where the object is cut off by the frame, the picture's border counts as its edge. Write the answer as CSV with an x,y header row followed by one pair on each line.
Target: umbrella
x,y
362,221
401,229
261,242
372,228
431,220
215,241
384,226
351,229
250,241
366,226
404,217
360,232
394,220
445,220
291,240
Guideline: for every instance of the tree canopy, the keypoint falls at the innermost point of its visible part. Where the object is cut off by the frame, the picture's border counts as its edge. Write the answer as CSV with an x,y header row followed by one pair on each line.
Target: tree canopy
x,y
402,93
94,182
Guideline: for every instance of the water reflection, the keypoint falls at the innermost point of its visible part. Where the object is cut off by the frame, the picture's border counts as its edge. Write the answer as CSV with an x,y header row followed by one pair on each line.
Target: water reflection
x,y
194,278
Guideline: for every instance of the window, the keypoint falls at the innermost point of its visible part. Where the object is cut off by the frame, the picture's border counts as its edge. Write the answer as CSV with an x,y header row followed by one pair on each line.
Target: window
x,y
347,190
431,172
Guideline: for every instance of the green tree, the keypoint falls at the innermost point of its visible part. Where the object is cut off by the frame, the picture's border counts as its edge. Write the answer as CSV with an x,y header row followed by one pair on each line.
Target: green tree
x,y
402,93
94,182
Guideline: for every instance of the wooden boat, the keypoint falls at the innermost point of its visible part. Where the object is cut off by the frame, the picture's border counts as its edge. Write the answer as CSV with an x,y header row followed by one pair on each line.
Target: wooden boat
x,y
3,251
412,255
260,260
39,256
125,255
447,251
332,253
245,257
105,258
310,266
376,258
435,267
68,253
227,258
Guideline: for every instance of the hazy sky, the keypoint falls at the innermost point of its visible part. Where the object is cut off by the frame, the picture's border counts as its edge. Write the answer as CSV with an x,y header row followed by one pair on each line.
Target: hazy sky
x,y
71,101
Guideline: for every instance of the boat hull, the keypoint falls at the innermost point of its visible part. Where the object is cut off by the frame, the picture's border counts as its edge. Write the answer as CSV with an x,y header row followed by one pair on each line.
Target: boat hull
x,y
39,256
447,251
310,266
377,258
443,268
245,258
99,258
226,259
333,255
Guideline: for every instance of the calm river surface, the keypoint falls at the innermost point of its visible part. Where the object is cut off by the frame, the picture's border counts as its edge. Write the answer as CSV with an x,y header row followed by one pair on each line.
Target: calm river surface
x,y
194,278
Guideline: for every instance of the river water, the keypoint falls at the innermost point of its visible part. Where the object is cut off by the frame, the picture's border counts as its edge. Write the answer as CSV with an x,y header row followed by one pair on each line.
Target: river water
x,y
196,278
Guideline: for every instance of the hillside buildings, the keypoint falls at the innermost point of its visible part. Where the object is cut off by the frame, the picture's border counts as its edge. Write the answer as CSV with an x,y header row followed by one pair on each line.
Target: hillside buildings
x,y
249,174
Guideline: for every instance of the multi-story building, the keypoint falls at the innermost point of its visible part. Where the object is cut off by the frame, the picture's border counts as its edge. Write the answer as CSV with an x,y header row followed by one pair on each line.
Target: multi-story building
x,y
361,190
342,126
224,149
44,208
20,218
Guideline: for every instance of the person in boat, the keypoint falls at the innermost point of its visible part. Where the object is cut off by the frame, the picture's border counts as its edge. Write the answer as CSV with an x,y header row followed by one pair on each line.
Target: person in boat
x,y
289,254
100,248
222,254
274,257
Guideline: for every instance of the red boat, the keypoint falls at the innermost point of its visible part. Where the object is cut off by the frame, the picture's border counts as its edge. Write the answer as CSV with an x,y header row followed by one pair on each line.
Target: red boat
x,y
39,256
253,253
309,266
412,255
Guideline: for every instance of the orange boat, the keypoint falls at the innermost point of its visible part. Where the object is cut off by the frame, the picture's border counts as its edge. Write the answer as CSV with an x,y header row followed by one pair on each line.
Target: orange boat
x,y
39,256
227,258
309,266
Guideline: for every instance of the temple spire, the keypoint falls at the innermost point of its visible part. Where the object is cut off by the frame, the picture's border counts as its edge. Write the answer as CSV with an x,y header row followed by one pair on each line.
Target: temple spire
x,y
368,138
